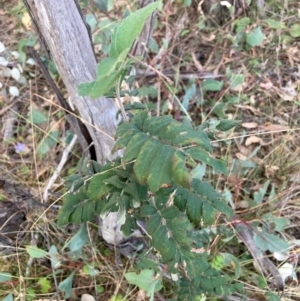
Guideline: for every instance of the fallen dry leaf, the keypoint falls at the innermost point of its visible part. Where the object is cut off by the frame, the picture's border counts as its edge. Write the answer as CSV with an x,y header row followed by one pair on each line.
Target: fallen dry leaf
x,y
253,139
249,125
242,204
87,297
267,85
273,128
242,157
270,170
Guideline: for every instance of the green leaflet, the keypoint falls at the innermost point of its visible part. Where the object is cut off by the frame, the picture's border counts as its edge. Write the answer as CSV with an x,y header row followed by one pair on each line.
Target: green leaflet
x,y
159,237
147,210
209,195
194,208
169,250
170,212
153,223
160,170
154,125
134,146
198,154
180,173
139,119
145,158
97,187
227,124
70,203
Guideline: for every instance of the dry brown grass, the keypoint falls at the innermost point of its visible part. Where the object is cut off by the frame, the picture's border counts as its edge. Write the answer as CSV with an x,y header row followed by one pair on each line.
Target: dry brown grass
x,y
268,100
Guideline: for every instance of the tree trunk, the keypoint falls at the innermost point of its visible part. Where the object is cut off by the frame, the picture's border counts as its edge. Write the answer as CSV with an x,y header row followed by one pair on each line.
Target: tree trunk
x,y
61,25
66,35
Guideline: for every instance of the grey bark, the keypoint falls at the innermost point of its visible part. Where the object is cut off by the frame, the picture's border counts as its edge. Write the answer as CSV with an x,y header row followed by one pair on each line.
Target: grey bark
x,y
66,35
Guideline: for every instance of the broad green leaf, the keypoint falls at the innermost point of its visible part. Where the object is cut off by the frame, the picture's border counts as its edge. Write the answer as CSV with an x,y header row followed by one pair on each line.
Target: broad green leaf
x,y
125,34
100,86
241,23
54,257
79,239
236,80
170,212
255,37
48,143
212,85
198,154
279,222
271,242
295,30
194,208
159,237
66,285
180,172
38,117
275,24
36,252
144,280
153,223
5,276
160,170
108,72
134,146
